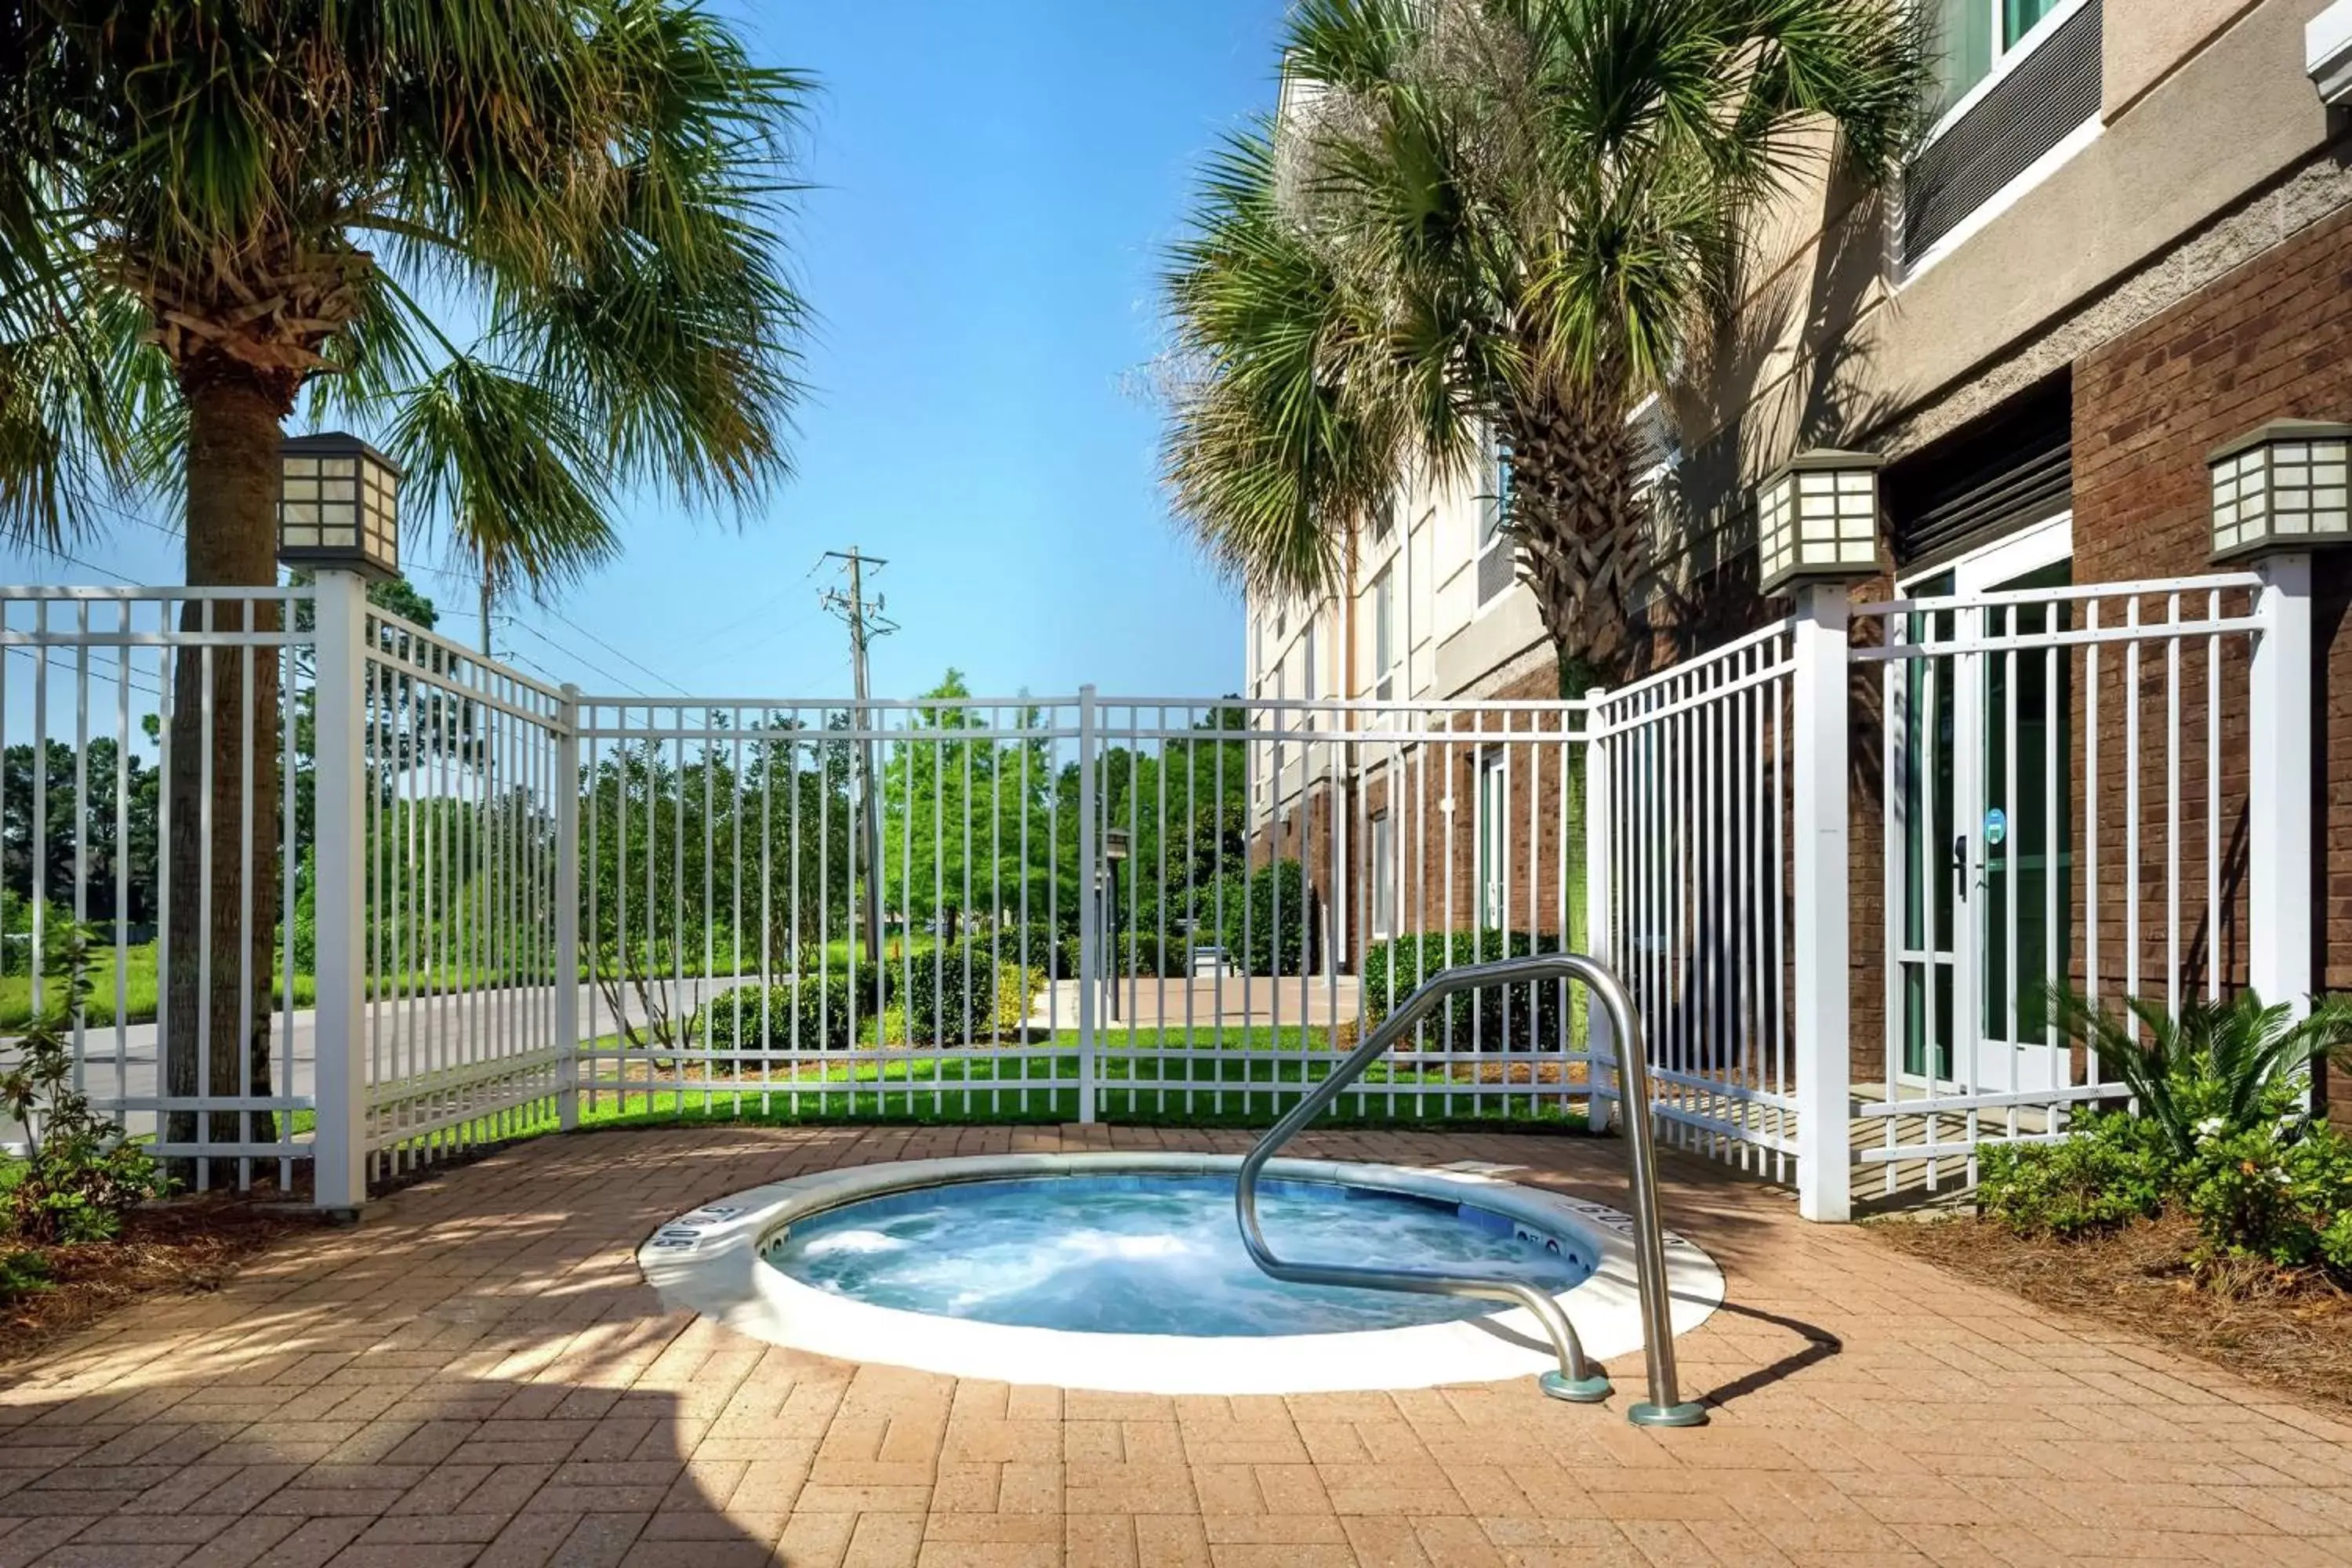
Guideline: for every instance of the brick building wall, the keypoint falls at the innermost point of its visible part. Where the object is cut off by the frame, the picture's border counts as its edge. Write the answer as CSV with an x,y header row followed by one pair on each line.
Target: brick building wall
x,y
1429,792
2270,340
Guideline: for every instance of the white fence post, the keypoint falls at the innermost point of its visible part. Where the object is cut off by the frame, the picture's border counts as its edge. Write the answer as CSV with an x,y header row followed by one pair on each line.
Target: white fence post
x,y
2278,805
1600,1045
1091,904
567,910
339,1138
1821,877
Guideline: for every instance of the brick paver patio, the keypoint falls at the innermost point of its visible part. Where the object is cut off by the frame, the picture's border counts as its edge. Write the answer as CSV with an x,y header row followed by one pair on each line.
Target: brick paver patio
x,y
477,1376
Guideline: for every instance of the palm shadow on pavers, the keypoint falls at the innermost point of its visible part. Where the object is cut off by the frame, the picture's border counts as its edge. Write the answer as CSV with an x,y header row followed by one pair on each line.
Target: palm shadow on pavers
x,y
281,1458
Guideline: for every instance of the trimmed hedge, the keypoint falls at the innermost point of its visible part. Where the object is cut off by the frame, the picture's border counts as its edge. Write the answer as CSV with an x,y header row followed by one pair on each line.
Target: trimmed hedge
x,y
1393,970
1273,925
953,987
810,1015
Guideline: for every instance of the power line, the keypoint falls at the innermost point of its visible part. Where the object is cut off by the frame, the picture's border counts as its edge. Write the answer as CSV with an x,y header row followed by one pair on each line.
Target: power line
x,y
617,653
576,655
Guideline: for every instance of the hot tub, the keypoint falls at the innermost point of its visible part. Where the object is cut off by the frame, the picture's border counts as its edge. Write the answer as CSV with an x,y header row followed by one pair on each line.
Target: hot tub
x,y
1126,1272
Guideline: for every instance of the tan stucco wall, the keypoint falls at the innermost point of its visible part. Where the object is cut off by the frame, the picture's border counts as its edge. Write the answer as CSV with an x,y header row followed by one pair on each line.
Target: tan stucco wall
x,y
1832,346
2147,38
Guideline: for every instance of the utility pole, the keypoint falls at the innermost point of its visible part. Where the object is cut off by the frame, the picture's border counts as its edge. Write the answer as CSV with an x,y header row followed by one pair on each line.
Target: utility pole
x,y
866,623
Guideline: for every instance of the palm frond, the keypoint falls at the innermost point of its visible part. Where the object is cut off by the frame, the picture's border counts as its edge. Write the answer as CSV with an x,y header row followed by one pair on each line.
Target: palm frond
x,y
510,468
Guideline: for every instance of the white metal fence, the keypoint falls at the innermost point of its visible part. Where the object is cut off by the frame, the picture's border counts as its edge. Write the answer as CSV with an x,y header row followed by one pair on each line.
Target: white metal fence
x,y
465,796
368,899
1699,775
151,795
2070,787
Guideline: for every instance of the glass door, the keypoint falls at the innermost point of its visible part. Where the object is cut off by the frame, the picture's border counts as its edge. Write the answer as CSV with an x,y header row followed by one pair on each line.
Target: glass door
x,y
1986,778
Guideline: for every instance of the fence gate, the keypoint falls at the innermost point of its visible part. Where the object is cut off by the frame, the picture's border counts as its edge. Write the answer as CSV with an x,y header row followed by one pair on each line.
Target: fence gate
x,y
2088,789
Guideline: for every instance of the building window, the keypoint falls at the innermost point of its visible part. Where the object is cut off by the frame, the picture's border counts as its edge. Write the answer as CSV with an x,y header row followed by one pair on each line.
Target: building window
x,y
2021,85
1970,36
1383,522
1385,877
1384,633
1494,512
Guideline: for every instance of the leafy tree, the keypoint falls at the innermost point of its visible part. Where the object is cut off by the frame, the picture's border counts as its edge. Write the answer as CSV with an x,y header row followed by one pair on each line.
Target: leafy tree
x,y
955,811
207,209
1185,809
124,790
1515,217
736,856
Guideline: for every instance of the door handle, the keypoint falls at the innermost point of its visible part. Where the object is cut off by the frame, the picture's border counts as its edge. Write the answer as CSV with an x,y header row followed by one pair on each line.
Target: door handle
x,y
1960,866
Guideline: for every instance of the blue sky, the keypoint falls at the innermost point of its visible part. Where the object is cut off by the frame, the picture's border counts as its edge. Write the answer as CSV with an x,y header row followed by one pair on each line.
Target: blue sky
x,y
994,184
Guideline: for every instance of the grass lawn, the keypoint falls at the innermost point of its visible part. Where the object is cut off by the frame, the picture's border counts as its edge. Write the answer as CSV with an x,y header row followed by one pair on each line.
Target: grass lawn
x,y
1156,1082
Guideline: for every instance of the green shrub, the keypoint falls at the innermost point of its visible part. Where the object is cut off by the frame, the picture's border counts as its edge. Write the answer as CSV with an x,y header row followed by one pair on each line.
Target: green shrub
x,y
962,992
1393,970
2282,1193
1271,921
1147,954
1054,954
2103,1176
79,1176
22,1273
2216,1068
812,1014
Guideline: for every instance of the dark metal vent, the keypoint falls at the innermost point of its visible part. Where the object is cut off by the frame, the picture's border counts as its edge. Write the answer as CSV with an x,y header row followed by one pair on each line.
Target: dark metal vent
x,y
1495,570
2011,468
2049,94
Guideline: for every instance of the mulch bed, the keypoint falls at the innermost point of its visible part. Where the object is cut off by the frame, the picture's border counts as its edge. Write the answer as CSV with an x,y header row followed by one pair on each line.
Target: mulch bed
x,y
185,1247
2289,1330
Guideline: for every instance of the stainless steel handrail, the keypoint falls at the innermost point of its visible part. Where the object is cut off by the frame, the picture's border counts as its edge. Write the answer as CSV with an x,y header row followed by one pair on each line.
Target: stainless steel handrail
x,y
1575,1380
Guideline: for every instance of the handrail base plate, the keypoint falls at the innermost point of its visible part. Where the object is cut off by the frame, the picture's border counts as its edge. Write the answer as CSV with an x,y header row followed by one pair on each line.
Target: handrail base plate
x,y
1690,1413
1589,1390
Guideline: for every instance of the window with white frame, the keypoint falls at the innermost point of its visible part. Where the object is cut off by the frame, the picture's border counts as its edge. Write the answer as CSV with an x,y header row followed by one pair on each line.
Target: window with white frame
x,y
2020,86
1970,37
1494,840
1383,874
1494,512
1384,643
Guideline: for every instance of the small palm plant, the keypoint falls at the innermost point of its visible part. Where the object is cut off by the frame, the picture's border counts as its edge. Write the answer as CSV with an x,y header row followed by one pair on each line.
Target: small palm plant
x,y
2216,1068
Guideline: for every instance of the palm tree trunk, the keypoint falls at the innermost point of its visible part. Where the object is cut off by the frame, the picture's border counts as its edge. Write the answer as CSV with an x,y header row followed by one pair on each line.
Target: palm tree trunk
x,y
1573,511
224,769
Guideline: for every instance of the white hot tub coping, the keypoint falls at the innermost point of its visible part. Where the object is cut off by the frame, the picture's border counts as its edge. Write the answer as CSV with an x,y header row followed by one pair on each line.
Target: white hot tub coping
x,y
708,1261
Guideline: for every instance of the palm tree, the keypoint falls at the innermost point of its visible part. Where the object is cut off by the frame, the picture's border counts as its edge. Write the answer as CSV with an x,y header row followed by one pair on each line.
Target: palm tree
x,y
208,208
1515,217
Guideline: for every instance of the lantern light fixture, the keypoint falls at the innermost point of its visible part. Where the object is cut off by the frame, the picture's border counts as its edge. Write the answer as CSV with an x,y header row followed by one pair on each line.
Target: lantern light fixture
x,y
338,505
2282,487
1816,519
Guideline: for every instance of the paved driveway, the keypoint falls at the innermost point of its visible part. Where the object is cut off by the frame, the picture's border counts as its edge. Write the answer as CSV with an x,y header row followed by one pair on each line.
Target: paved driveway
x,y
477,1375
123,1063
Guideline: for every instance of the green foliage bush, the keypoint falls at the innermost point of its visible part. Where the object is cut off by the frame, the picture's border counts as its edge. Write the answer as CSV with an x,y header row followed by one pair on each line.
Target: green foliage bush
x,y
2104,1177
812,1014
1052,953
22,1273
1147,954
79,1176
2279,1193
1393,970
2223,1131
959,991
1271,926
